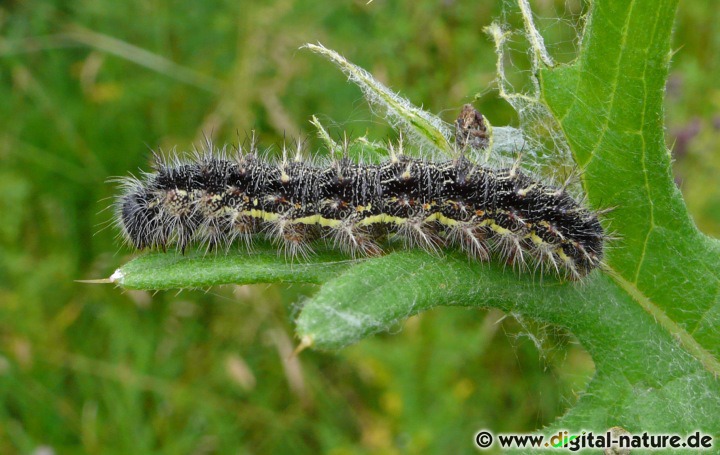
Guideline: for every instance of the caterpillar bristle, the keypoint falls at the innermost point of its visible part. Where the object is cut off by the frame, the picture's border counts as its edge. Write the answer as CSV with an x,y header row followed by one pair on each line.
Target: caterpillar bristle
x,y
216,198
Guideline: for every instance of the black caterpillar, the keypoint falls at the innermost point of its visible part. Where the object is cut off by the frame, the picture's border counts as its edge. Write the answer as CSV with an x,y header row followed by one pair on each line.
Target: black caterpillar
x,y
215,199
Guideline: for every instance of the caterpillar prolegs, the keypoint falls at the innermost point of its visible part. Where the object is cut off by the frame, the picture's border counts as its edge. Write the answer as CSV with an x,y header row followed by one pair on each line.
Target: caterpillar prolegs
x,y
214,198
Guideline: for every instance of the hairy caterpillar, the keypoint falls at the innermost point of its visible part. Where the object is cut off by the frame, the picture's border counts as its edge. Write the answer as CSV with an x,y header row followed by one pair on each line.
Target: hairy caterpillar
x,y
215,199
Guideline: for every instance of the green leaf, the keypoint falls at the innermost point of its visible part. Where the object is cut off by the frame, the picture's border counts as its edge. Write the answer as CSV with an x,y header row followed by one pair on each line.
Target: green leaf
x,y
646,379
650,319
157,271
610,107
609,104
427,129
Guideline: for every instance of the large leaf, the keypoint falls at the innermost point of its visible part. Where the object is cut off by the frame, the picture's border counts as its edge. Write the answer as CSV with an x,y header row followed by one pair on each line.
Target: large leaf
x,y
609,104
649,319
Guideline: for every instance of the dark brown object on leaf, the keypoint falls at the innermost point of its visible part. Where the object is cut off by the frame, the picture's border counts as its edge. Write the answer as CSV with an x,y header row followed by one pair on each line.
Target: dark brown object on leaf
x,y
470,129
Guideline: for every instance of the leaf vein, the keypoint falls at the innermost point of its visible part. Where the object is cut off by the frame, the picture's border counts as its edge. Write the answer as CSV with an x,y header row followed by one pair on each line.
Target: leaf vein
x,y
614,86
643,161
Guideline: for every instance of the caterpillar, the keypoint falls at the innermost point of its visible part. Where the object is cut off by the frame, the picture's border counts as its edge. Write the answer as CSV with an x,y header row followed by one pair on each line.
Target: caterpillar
x,y
215,199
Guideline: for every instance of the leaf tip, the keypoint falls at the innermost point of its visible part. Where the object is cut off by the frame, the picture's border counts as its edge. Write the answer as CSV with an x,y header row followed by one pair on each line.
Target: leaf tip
x,y
116,277
95,281
305,342
317,47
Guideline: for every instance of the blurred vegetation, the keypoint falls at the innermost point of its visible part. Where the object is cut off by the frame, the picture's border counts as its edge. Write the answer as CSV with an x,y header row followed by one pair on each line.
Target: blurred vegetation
x,y
87,87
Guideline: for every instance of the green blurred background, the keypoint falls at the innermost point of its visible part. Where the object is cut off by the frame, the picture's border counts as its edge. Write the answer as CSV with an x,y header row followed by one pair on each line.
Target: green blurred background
x,y
87,87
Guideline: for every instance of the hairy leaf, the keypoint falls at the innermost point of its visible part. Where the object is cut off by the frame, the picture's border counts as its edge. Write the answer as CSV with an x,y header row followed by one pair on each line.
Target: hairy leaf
x,y
423,126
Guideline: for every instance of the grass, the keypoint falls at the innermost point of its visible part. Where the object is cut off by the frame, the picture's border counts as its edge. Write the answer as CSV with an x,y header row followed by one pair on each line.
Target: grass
x,y
88,369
